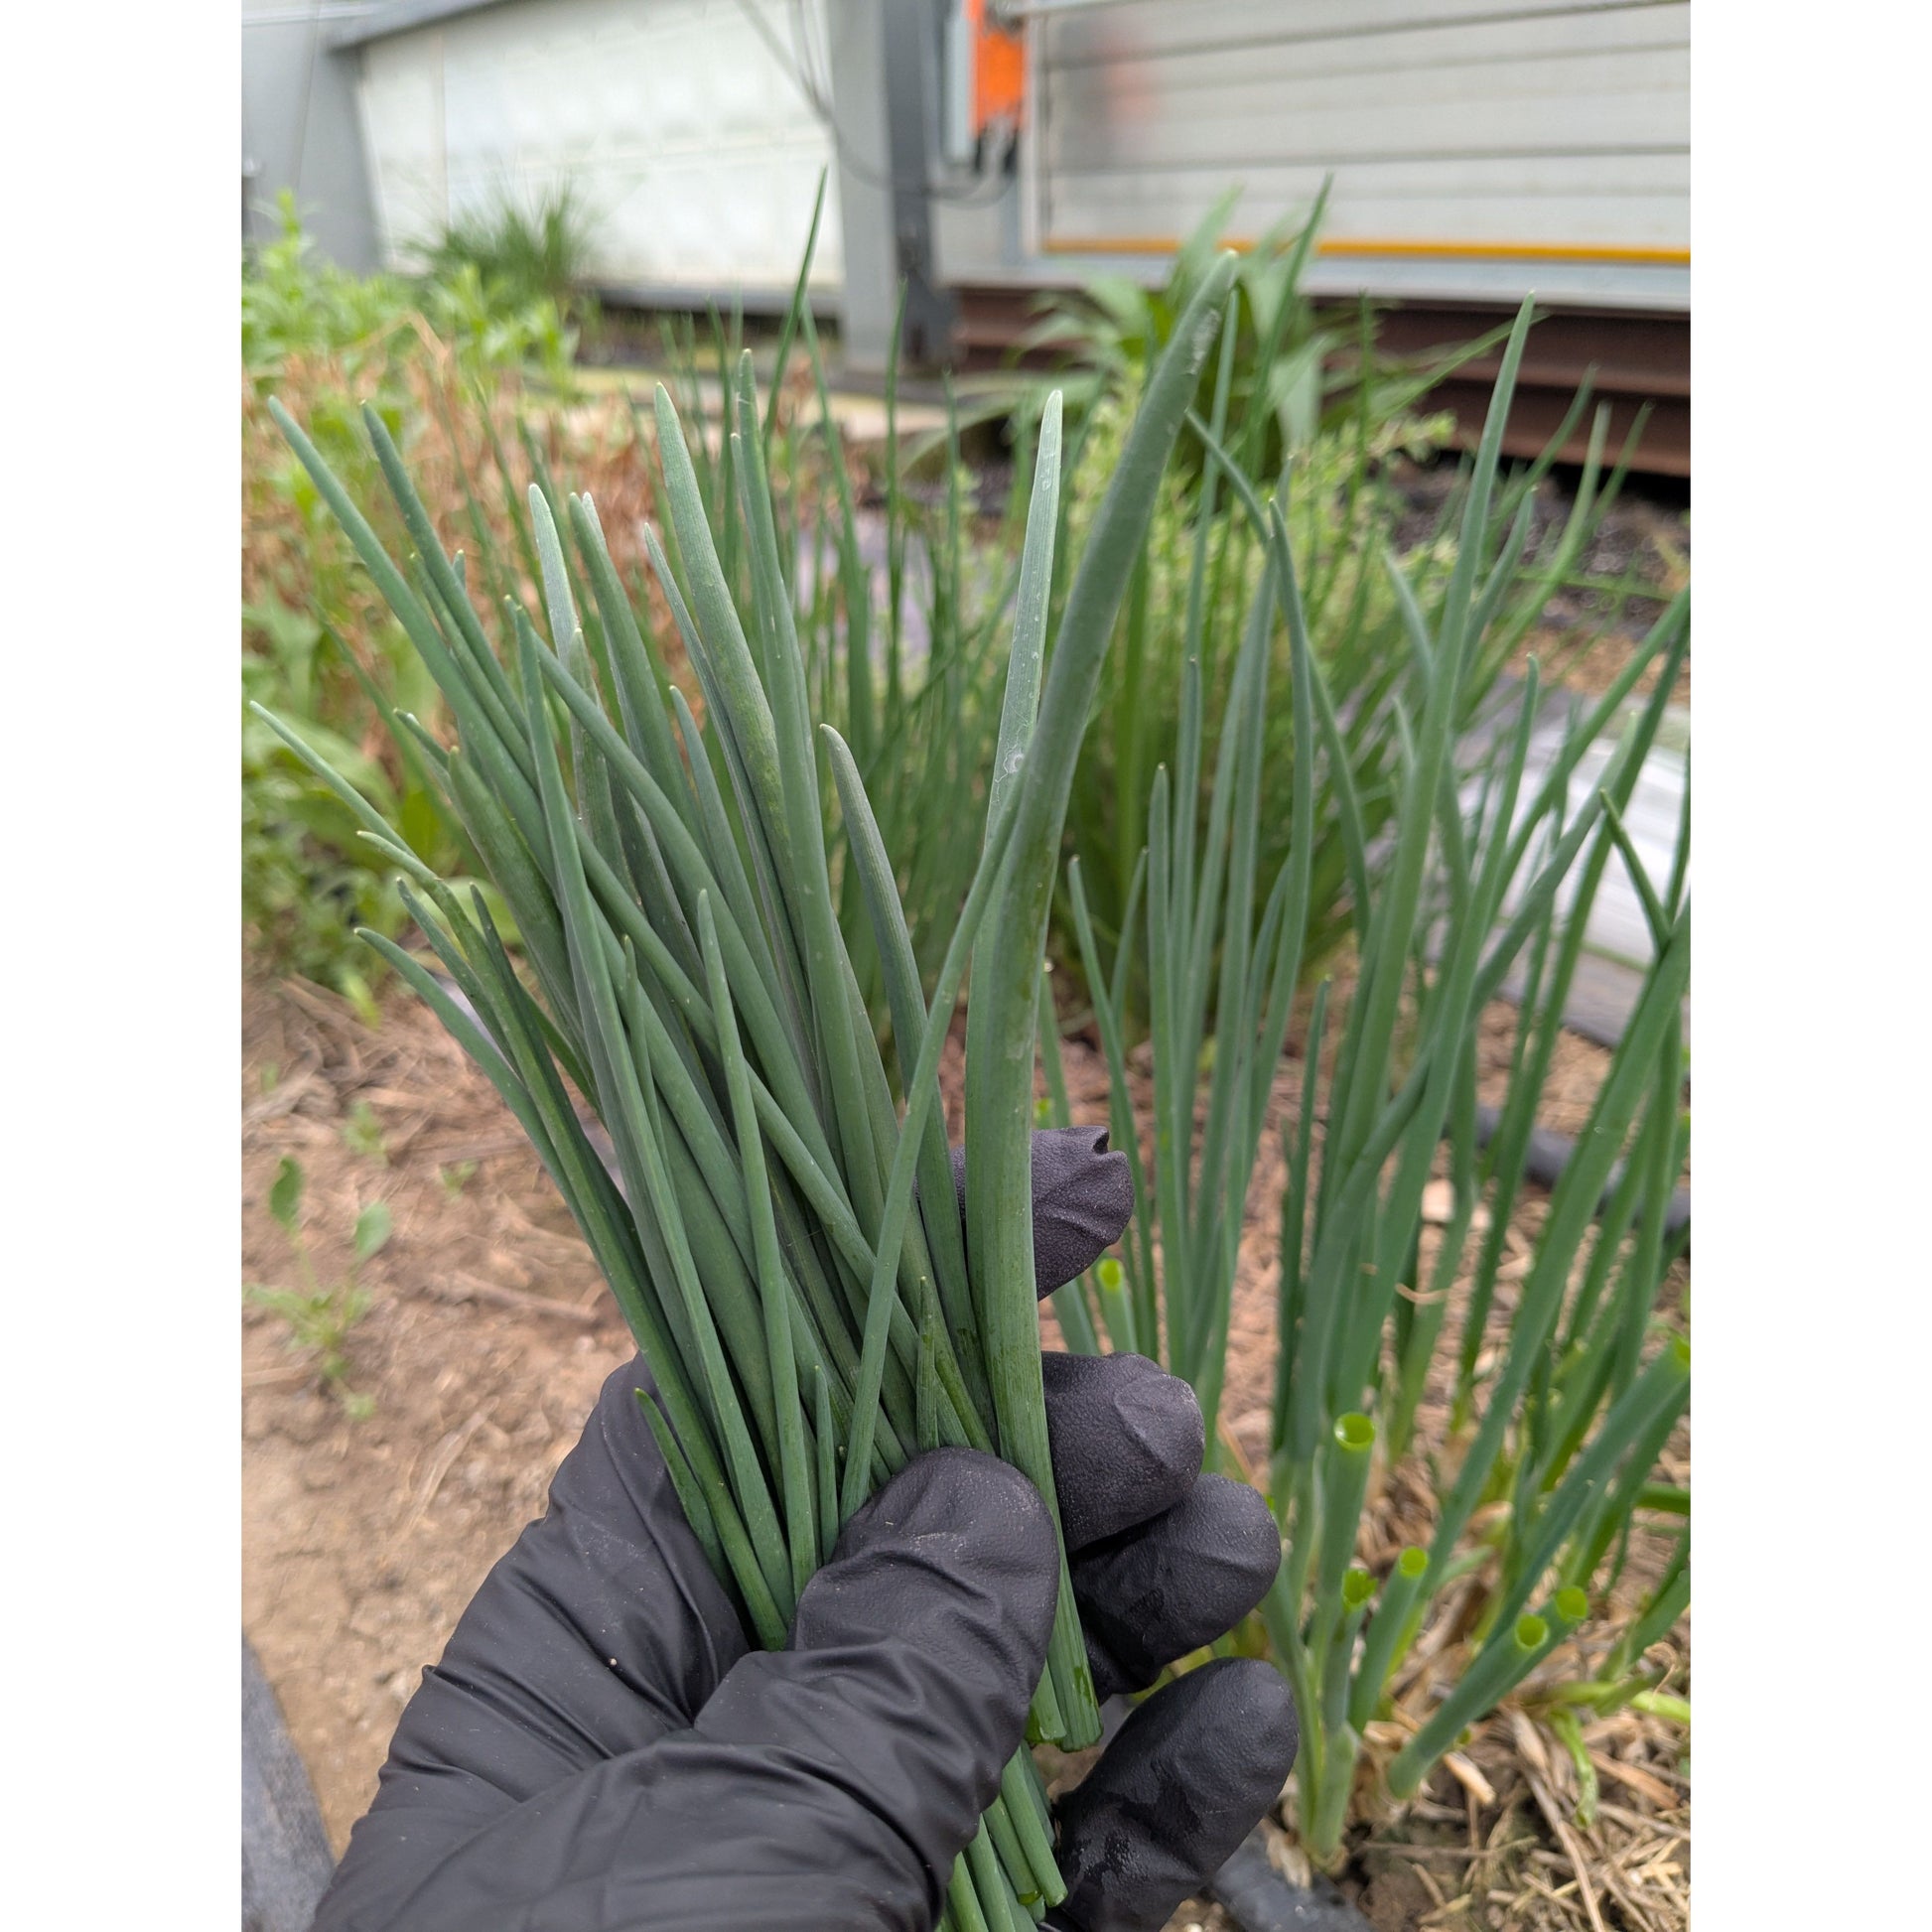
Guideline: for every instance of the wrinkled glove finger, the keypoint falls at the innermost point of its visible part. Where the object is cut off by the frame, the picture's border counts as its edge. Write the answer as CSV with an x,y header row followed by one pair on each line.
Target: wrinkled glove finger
x,y
1083,1198
1164,1588
1177,1791
1127,1442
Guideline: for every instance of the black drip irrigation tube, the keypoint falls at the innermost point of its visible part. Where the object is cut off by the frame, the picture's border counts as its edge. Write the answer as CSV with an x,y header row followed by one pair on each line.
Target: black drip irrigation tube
x,y
285,1856
1548,1154
1258,1899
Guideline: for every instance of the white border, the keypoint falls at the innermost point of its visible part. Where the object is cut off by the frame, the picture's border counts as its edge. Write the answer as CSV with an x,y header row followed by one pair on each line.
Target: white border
x,y
121,1409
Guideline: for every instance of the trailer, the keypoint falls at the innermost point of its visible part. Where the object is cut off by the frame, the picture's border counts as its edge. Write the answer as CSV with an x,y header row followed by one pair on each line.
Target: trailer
x,y
1476,151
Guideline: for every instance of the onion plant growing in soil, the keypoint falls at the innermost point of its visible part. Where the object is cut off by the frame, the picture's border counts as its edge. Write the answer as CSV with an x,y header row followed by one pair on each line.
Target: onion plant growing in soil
x,y
808,1325
1558,1435
1284,386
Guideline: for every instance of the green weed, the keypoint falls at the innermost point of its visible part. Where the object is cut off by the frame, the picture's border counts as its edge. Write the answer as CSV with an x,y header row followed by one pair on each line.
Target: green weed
x,y
522,255
362,1134
319,1319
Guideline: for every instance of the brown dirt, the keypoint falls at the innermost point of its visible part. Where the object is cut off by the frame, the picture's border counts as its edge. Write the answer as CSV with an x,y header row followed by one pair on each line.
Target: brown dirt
x,y
1591,664
362,1539
489,1333
1637,560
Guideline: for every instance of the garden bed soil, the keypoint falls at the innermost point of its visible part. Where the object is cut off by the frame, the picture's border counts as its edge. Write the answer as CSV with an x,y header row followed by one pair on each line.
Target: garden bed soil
x,y
1638,559
488,1336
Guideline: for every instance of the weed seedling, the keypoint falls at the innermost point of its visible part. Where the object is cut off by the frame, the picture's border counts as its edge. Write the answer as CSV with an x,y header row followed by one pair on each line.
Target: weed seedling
x,y
362,1134
455,1176
320,1319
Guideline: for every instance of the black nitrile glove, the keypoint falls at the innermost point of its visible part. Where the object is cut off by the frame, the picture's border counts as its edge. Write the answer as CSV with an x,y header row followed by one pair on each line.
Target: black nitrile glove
x,y
601,1749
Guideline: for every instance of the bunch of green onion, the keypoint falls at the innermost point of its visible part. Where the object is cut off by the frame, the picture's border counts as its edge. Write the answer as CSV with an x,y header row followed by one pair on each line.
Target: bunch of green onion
x,y
808,1324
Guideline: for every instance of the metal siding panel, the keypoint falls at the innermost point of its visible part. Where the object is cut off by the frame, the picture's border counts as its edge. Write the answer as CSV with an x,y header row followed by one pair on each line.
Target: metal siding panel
x,y
1110,33
401,97
1606,103
695,150
1453,125
1475,180
301,132
1355,66
1642,224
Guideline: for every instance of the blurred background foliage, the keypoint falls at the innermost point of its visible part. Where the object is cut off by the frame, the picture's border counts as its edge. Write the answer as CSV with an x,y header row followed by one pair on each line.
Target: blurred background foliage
x,y
452,360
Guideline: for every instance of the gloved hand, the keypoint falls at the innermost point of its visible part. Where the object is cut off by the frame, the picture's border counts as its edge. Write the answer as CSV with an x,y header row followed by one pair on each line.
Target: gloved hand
x,y
601,1748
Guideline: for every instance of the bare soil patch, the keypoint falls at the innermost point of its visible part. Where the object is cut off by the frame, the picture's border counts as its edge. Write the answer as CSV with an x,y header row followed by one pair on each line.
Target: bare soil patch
x,y
487,1339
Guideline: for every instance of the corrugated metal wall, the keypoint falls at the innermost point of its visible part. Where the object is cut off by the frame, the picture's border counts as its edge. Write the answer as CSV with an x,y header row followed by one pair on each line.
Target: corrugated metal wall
x,y
1503,129
299,130
689,140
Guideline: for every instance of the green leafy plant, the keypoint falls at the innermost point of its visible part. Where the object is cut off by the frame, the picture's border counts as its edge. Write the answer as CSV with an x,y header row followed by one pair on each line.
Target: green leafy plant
x,y
443,359
1111,331
521,254
304,884
456,1176
914,681
712,952
491,312
320,1318
1293,372
1561,1431
295,302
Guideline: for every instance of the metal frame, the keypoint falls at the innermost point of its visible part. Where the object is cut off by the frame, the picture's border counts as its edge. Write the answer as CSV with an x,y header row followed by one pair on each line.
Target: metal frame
x,y
906,27
388,17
